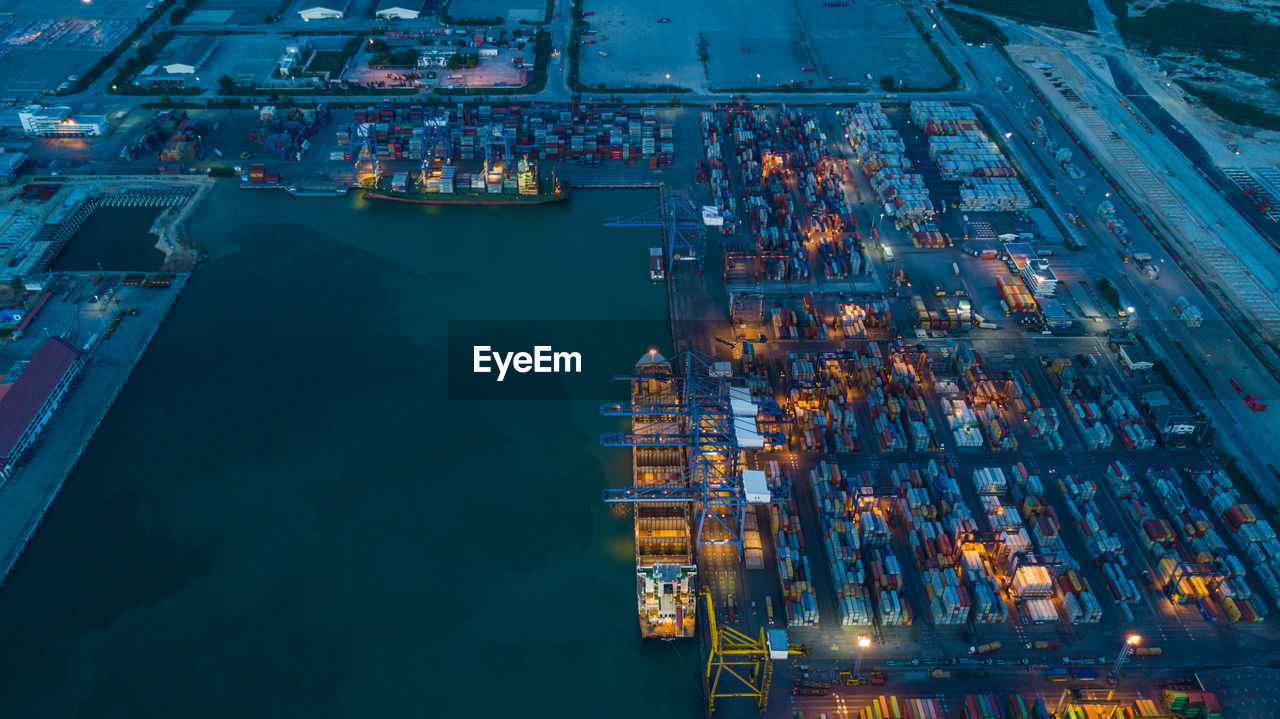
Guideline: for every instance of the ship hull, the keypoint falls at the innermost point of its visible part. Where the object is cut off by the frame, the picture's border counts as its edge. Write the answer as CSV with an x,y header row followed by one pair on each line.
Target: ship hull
x,y
446,198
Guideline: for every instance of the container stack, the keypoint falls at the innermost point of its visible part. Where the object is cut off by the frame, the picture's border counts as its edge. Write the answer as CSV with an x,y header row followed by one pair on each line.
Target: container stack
x,y
880,151
716,174
892,707
1081,394
1016,295
964,153
1191,705
1100,540
962,421
939,523
1252,534
793,562
834,494
1130,425
752,547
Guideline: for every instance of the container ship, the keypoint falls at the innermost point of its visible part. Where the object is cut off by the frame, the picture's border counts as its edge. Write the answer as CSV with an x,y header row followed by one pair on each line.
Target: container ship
x,y
665,561
446,187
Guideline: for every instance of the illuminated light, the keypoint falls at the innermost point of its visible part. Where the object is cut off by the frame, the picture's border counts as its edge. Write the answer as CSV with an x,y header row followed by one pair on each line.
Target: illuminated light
x,y
1133,640
864,642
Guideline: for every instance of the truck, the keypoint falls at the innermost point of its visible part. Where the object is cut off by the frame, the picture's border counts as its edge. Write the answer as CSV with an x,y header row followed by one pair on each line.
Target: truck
x,y
768,608
1148,651
1084,675
955,268
985,648
940,674
1142,257
1058,674
1255,402
731,607
1043,644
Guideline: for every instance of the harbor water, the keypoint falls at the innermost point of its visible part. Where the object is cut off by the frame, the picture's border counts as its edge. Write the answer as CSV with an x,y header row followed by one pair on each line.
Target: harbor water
x,y
285,515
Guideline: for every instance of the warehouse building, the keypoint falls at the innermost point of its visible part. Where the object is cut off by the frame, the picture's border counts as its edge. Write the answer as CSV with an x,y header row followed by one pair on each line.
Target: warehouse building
x,y
327,11
1172,420
57,122
1135,358
29,394
188,56
400,9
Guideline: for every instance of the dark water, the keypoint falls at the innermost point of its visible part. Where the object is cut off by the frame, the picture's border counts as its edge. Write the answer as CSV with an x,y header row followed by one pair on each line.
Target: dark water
x,y
117,237
284,515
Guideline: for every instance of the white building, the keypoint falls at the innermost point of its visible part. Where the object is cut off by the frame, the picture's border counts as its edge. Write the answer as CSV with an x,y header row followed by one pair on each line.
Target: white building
x,y
1040,278
399,9
57,122
326,11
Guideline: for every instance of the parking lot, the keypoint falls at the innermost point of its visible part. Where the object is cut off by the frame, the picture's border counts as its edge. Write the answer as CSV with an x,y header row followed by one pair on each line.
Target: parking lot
x,y
42,45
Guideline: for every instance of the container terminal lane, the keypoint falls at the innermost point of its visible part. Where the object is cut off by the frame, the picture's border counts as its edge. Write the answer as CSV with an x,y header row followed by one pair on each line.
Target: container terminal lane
x,y
949,424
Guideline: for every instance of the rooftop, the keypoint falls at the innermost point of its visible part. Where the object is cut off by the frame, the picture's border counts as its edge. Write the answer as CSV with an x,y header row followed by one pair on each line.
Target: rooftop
x,y
29,392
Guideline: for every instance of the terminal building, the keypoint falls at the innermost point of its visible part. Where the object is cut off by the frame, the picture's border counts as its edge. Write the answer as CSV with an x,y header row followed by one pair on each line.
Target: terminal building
x,y
400,9
30,393
324,11
58,122
188,57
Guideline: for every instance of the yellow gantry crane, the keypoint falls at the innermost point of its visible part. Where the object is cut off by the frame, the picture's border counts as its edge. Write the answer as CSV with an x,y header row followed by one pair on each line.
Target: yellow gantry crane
x,y
739,665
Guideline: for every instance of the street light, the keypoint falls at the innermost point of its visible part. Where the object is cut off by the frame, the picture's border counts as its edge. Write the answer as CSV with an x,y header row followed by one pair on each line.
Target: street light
x,y
863,643
1130,642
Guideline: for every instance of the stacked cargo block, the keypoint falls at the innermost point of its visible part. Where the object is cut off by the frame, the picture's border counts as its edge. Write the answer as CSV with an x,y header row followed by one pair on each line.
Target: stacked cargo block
x,y
1081,393
1100,540
964,153
835,496
1200,543
1252,534
793,562
880,151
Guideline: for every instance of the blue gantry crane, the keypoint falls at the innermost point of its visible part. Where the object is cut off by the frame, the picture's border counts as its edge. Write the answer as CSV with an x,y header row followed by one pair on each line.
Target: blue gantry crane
x,y
683,230
496,144
694,413
364,147
435,143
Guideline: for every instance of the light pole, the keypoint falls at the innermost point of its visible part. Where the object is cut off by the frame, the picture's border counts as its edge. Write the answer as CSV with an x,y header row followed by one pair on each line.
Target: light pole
x,y
1128,319
1130,642
863,643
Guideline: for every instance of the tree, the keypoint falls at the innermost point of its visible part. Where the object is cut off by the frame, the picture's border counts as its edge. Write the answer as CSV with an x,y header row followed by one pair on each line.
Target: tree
x,y
887,83
226,84
377,45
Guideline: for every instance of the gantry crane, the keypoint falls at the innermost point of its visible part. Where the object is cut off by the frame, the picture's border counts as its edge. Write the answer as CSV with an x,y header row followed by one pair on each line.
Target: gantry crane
x,y
694,413
683,231
1211,572
435,143
364,144
496,143
739,665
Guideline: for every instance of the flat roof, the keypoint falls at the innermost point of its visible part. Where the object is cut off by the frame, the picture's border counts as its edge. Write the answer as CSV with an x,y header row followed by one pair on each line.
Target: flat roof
x,y
29,392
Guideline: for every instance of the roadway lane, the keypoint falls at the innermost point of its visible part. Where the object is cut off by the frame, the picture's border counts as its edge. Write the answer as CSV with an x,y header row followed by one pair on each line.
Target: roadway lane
x,y
1186,143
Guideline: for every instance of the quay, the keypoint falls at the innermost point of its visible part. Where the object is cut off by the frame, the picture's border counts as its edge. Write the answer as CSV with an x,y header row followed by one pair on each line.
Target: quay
x,y
28,493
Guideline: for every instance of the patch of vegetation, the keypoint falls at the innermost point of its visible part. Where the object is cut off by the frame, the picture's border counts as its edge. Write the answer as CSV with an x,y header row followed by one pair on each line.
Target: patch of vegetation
x,y
333,61
1109,293
122,84
221,171
463,60
399,59
1241,113
953,77
181,12
975,29
1234,39
1119,8
1069,14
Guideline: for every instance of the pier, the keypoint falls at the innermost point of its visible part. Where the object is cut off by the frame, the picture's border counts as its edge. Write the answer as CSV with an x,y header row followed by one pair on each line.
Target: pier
x,y
26,496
